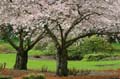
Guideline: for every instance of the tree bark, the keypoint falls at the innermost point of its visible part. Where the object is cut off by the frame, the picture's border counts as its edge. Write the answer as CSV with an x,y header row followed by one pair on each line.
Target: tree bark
x,y
62,56
21,60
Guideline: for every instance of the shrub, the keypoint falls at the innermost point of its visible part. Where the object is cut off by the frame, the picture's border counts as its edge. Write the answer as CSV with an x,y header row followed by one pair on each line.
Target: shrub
x,y
34,76
2,66
74,53
73,71
5,77
95,44
84,72
44,69
96,57
39,76
40,46
50,49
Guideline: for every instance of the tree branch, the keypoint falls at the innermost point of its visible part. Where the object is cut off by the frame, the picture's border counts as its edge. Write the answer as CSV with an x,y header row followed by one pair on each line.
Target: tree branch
x,y
12,43
77,21
61,32
52,35
70,42
2,28
41,36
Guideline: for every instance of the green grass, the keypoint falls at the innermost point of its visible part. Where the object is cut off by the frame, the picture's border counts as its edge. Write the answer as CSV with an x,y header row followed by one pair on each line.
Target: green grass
x,y
51,64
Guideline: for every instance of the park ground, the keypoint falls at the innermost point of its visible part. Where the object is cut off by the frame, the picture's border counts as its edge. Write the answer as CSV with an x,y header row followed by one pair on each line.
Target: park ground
x,y
108,74
108,69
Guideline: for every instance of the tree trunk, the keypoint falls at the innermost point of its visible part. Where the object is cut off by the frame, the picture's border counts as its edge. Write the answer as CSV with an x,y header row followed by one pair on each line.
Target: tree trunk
x,y
21,60
62,69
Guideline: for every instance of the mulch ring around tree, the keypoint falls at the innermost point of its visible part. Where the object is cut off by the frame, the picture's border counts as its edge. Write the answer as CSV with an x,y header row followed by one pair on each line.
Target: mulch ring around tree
x,y
18,74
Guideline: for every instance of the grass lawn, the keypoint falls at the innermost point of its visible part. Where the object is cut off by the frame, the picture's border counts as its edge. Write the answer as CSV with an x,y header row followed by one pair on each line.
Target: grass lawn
x,y
51,64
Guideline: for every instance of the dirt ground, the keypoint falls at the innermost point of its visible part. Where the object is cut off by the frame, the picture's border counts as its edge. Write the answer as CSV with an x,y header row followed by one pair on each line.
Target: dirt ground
x,y
109,74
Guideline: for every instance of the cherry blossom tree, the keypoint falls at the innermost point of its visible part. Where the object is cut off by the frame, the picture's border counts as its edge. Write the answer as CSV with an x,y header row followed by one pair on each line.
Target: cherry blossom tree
x,y
23,20
76,19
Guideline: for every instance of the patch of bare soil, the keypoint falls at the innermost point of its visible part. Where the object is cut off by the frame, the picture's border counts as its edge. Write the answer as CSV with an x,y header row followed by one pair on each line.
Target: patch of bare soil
x,y
18,74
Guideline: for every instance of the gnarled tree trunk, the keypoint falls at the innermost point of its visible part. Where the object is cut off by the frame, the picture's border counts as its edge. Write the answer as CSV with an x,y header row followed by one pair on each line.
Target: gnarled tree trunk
x,y
21,60
62,56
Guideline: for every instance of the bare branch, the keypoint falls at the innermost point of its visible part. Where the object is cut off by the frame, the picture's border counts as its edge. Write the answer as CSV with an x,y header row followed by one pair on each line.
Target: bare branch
x,y
41,36
79,20
70,42
52,35
2,28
